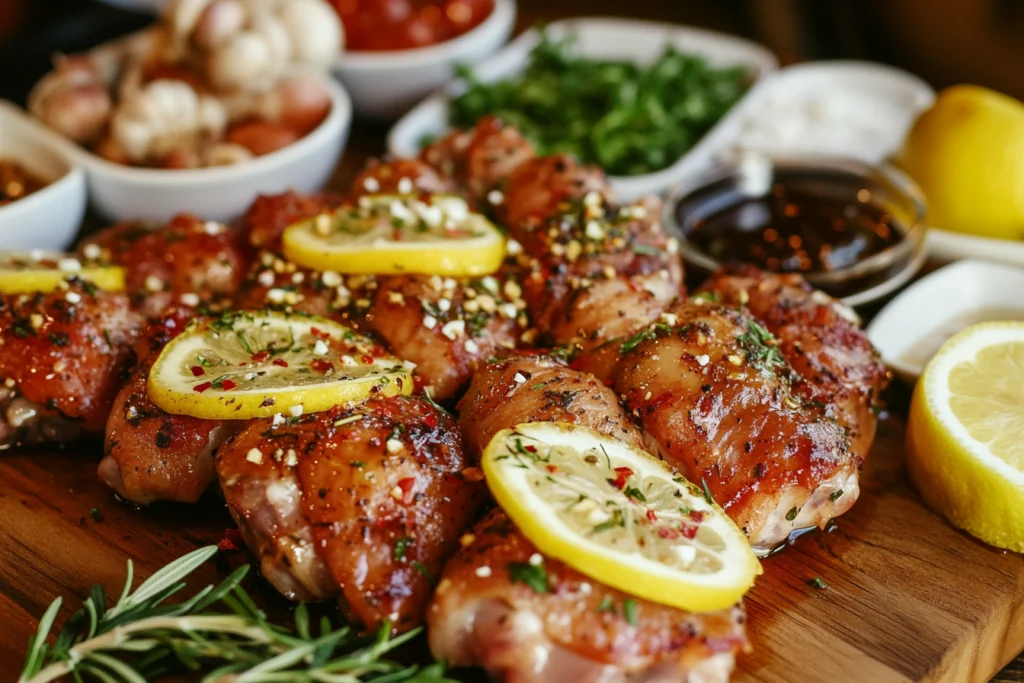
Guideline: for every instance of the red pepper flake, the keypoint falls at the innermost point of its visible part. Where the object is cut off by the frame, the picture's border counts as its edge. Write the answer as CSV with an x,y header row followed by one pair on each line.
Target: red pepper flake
x,y
260,357
652,516
407,485
552,468
200,388
280,362
232,541
431,420
378,351
322,366
367,359
609,382
621,475
689,531
531,449
667,533
697,516
197,371
318,333
227,385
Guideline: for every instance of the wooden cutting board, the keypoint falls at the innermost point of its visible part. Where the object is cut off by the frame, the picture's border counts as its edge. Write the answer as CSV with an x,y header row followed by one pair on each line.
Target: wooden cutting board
x,y
908,598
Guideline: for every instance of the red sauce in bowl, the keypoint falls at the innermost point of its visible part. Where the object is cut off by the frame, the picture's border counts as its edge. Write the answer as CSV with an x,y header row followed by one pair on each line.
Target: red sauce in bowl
x,y
392,25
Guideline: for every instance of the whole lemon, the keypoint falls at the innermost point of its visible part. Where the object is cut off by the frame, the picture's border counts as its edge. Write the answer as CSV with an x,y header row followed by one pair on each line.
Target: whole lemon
x,y
967,154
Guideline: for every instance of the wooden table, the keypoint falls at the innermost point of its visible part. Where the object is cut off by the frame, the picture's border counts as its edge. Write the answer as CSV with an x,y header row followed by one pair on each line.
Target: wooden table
x,y
46,499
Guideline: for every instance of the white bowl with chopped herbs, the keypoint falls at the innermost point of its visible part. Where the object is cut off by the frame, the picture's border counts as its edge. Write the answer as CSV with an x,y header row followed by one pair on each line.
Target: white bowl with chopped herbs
x,y
639,98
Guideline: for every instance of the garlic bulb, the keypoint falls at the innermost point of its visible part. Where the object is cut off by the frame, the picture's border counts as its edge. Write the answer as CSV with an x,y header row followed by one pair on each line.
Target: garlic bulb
x,y
165,115
73,99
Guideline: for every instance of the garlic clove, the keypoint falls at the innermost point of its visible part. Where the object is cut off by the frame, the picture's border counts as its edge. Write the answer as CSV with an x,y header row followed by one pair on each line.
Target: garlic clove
x,y
220,20
241,62
314,30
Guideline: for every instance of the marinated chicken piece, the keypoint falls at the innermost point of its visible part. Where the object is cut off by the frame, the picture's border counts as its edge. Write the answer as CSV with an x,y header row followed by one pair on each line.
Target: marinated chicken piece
x,y
521,389
151,455
269,215
187,260
63,357
820,337
539,187
713,395
400,176
579,630
363,504
481,159
280,285
446,327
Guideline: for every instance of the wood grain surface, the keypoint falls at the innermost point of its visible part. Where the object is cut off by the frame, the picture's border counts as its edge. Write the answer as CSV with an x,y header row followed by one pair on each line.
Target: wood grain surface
x,y
908,598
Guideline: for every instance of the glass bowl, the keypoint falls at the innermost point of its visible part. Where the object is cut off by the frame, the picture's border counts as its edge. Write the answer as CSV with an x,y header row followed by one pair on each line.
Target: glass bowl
x,y
748,177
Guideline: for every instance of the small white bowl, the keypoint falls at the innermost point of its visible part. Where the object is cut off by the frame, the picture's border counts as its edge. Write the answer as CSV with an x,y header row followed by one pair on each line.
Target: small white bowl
x,y
221,193
599,38
946,246
884,101
384,85
912,327
50,217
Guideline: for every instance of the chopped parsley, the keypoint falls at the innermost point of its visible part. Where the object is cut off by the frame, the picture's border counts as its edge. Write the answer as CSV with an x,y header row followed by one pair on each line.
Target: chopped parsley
x,y
629,610
401,546
816,582
761,348
534,576
791,515
835,495
635,494
606,605
96,515
649,333
707,491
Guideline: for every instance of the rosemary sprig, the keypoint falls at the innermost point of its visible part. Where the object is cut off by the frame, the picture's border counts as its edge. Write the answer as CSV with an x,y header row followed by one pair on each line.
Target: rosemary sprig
x,y
218,632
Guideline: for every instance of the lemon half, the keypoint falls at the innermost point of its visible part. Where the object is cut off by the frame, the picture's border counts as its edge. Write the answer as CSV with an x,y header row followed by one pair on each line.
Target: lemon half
x,y
619,516
256,364
393,234
965,436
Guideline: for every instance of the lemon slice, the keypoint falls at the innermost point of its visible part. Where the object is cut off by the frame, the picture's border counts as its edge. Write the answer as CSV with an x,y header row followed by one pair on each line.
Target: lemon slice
x,y
45,271
965,434
619,516
256,364
393,234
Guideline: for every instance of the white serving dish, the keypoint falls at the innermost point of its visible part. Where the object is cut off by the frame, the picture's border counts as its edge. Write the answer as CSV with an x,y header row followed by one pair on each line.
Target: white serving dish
x,y
222,193
384,85
890,99
599,38
912,326
50,217
946,246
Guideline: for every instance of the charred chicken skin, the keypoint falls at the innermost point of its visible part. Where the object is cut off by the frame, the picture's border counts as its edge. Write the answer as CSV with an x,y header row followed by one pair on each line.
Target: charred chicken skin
x,y
571,628
714,397
63,358
149,454
187,260
363,504
835,364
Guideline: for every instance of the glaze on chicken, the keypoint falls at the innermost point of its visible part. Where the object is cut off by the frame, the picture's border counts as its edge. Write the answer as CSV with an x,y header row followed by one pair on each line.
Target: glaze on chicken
x,y
63,358
714,397
363,504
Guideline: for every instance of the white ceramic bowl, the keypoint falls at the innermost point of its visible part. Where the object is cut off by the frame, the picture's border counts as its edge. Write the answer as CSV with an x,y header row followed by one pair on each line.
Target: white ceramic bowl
x,y
222,193
599,38
883,103
946,246
912,327
384,85
50,217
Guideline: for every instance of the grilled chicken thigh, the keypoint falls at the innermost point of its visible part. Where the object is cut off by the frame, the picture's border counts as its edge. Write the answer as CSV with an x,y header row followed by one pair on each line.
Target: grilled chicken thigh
x,y
364,504
447,327
401,176
269,215
576,630
713,395
152,455
521,389
188,259
819,336
63,357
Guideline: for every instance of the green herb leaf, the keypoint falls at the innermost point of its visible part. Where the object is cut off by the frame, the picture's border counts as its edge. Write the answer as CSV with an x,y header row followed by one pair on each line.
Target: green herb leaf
x,y
816,582
707,491
534,576
629,610
402,545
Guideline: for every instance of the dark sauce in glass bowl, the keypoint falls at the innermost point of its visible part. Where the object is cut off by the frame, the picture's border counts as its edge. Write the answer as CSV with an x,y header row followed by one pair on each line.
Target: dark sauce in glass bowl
x,y
844,230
